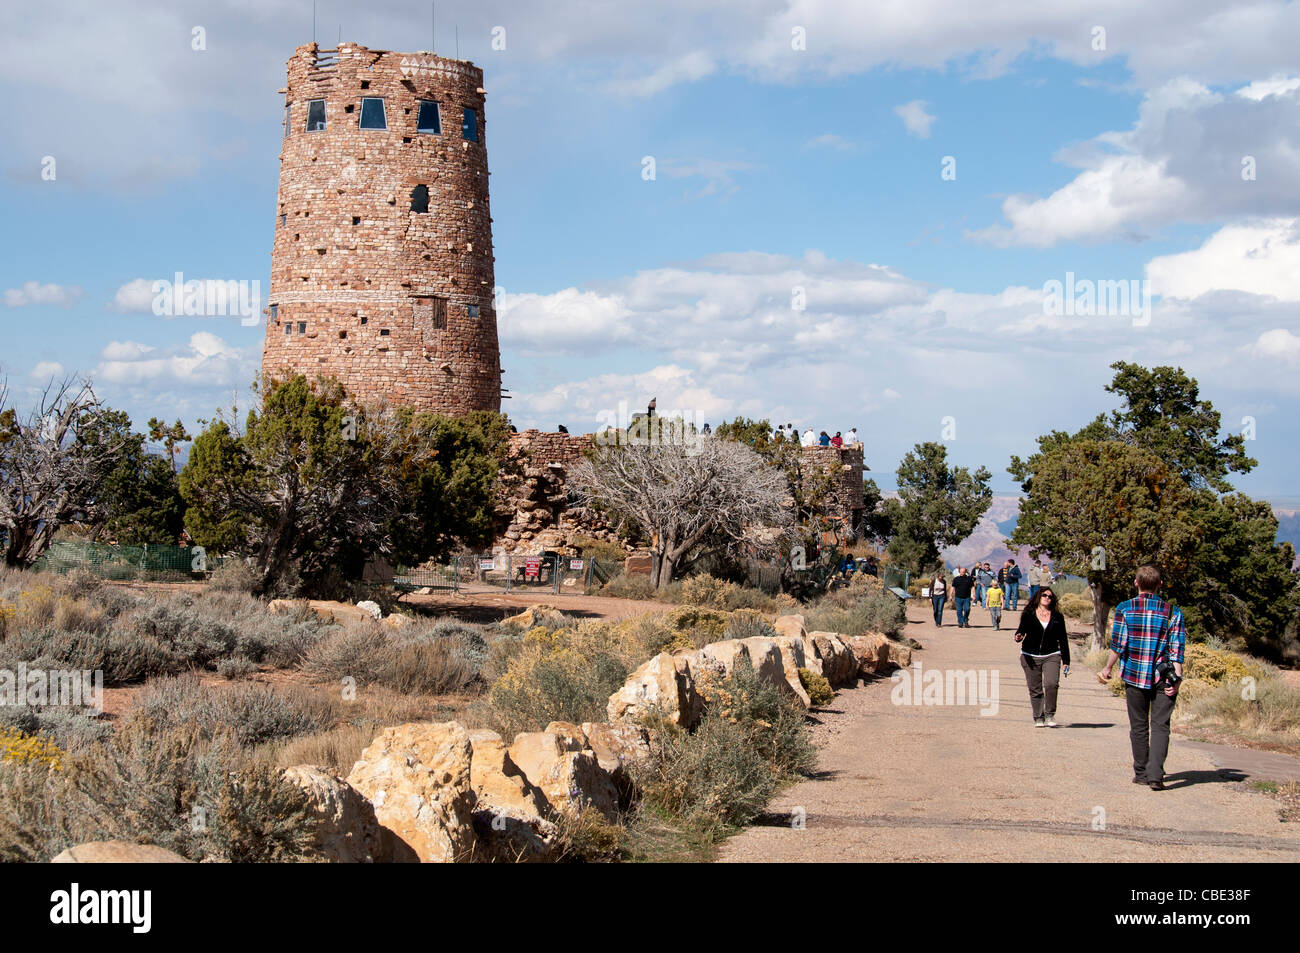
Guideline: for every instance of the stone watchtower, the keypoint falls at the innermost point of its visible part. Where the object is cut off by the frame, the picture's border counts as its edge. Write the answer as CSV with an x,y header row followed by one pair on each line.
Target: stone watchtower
x,y
381,272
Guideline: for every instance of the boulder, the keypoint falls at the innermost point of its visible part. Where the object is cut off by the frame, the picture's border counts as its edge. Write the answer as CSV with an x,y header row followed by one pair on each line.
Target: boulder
x,y
349,832
619,748
417,776
715,662
772,665
665,685
878,654
339,613
790,625
510,814
118,852
396,621
533,616
638,564
559,762
796,654
839,664
371,609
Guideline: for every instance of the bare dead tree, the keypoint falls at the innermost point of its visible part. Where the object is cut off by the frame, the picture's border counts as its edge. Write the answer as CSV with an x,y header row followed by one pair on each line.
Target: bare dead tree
x,y
50,474
685,498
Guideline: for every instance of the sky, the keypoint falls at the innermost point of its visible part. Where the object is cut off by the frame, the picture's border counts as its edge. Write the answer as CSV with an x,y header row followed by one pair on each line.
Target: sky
x,y
836,214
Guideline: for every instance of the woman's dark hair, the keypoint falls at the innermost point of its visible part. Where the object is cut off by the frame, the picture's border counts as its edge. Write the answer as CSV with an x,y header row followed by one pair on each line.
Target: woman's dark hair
x,y
1035,600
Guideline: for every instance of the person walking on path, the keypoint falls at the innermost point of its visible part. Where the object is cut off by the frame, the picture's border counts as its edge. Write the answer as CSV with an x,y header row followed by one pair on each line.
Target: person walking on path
x,y
983,579
962,586
938,596
1044,654
1148,641
1013,585
993,598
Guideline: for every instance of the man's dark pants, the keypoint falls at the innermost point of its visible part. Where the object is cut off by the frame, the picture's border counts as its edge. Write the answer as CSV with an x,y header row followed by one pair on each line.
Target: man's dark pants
x,y
1149,711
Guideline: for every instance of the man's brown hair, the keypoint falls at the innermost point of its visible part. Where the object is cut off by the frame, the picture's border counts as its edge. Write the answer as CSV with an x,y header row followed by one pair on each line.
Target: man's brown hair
x,y
1148,579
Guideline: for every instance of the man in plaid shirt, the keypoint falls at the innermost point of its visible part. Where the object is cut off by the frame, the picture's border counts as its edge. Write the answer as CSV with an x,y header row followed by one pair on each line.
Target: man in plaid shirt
x,y
1147,630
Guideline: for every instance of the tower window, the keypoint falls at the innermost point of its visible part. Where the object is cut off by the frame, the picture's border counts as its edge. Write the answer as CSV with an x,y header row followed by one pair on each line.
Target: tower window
x,y
431,311
428,119
469,128
302,327
420,198
471,310
372,113
383,332
286,120
316,115
284,220
365,84
288,328
275,312
356,219
364,319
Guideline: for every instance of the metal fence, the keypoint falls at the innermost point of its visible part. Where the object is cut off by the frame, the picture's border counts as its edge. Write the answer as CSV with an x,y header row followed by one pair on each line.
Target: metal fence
x,y
511,573
153,562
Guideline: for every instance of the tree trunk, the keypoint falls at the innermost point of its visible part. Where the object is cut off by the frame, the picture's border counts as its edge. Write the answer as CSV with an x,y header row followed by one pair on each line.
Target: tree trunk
x,y
1100,612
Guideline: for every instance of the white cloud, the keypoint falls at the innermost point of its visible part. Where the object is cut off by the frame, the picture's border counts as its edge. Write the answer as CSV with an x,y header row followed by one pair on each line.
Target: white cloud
x,y
47,370
34,293
134,297
687,68
206,361
715,172
1279,344
1261,258
915,119
830,140
1192,156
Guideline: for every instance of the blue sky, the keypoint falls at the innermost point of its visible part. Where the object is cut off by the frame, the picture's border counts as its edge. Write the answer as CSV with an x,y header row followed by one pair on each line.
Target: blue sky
x,y
776,169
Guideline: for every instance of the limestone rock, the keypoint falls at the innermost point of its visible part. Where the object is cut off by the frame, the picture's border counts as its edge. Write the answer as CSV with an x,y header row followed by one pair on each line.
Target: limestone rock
x,y
510,814
878,654
532,616
559,762
349,832
417,776
371,609
790,625
619,748
839,664
638,564
664,683
118,852
794,656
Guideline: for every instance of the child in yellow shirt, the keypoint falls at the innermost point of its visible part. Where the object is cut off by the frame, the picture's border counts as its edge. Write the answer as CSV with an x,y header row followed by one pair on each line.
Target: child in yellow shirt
x,y
993,599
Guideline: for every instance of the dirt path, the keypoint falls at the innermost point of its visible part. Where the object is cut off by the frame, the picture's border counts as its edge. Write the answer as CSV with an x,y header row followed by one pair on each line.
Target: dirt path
x,y
939,783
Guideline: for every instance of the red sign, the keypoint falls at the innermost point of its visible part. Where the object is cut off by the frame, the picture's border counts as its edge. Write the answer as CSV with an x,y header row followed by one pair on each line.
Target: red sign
x,y
532,566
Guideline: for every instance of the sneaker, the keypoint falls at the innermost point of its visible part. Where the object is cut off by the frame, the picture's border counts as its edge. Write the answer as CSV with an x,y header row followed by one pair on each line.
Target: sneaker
x,y
1040,723
1051,722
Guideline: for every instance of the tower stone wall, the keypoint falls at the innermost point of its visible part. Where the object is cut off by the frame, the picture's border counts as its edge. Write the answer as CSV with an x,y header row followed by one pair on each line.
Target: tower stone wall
x,y
381,270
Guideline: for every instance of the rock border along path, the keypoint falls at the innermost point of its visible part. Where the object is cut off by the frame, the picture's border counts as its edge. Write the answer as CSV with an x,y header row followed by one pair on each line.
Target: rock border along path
x,y
945,783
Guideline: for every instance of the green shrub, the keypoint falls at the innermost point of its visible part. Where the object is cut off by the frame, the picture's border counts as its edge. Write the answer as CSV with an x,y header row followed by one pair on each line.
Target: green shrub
x,y
702,625
818,688
233,668
629,587
424,660
857,614
160,785
234,575
747,624
251,713
550,681
1076,606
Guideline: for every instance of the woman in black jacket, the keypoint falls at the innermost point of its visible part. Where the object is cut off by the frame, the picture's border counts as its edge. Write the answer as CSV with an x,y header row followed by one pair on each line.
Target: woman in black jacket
x,y
1044,653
